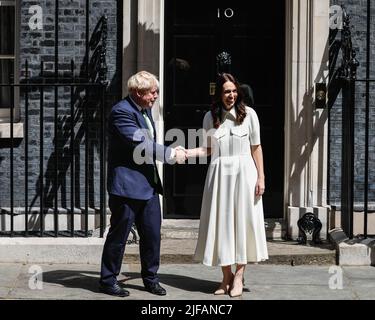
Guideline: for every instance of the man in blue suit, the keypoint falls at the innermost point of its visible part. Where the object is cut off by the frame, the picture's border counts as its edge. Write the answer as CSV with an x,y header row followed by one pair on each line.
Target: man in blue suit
x,y
133,184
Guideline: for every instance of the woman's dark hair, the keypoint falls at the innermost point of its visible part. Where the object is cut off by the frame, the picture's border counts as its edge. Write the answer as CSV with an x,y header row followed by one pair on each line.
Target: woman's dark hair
x,y
217,104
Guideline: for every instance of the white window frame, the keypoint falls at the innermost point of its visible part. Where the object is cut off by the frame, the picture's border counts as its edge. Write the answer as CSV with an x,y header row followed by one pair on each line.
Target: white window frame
x,y
5,112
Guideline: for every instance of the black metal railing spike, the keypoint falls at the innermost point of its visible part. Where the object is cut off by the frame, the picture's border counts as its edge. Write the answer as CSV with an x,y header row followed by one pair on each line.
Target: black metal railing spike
x,y
348,75
26,136
72,164
41,154
12,163
103,64
349,64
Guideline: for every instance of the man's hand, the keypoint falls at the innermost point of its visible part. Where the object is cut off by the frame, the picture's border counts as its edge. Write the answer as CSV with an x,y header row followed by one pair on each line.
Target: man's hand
x,y
180,154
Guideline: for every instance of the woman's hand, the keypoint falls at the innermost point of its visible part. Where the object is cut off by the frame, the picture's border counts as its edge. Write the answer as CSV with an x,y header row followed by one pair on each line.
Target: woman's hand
x,y
259,187
191,153
257,154
198,152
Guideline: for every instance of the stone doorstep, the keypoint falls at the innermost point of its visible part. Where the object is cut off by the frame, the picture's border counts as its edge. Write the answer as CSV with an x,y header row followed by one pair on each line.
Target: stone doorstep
x,y
275,234
178,244
293,260
355,252
280,252
188,229
89,250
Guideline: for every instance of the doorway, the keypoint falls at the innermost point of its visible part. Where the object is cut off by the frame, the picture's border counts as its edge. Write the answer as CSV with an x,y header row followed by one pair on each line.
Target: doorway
x,y
203,38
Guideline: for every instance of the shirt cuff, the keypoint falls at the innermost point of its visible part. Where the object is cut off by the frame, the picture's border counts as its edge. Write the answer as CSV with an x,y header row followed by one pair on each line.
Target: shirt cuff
x,y
173,153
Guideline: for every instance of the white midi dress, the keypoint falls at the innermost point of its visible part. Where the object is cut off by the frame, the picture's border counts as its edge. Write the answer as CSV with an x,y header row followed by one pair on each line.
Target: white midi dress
x,y
232,229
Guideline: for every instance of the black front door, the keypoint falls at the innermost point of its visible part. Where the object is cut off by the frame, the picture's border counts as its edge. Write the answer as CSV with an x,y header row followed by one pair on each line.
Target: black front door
x,y
202,38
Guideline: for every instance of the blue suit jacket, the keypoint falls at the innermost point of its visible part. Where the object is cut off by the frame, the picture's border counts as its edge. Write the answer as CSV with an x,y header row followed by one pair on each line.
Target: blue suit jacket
x,y
132,153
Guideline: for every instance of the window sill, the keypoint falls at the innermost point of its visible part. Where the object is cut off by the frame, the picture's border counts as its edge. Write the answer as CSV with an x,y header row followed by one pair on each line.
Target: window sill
x,y
17,130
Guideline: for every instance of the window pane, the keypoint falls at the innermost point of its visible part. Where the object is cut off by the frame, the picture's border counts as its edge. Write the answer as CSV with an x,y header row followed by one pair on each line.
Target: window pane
x,y
7,16
6,76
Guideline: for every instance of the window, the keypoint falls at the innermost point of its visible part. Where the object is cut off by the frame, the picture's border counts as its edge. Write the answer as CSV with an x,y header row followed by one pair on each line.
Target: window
x,y
8,59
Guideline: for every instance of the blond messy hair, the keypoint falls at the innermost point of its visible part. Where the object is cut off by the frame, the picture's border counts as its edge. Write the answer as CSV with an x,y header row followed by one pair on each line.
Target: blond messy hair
x,y
142,81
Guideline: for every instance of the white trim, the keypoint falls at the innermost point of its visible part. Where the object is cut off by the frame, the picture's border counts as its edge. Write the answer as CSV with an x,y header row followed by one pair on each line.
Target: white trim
x,y
160,128
161,71
288,85
17,130
305,184
129,43
161,54
7,3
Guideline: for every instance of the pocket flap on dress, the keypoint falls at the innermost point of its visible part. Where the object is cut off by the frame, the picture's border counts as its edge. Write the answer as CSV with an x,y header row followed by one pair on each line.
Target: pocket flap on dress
x,y
220,133
239,131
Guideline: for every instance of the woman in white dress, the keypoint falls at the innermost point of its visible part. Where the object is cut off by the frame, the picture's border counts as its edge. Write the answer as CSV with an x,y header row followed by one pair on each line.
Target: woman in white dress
x,y
231,230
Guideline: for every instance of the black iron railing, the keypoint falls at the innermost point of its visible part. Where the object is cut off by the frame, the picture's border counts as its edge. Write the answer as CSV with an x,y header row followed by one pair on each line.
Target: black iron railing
x,y
346,76
84,122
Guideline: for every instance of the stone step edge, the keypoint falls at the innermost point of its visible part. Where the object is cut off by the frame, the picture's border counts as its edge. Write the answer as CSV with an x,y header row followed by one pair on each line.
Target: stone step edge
x,y
89,250
293,259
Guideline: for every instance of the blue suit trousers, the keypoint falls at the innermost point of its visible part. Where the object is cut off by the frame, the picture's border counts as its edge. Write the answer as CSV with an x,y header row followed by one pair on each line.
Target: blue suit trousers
x,y
147,217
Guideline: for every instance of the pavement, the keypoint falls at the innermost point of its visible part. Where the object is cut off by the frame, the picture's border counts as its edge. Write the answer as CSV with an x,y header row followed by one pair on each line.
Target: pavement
x,y
189,282
293,272
64,269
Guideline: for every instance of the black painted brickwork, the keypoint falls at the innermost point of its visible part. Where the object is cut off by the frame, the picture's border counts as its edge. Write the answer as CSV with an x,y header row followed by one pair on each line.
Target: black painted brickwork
x,y
37,46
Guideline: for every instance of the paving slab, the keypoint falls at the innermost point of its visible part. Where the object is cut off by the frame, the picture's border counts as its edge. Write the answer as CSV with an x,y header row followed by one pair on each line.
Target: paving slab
x,y
9,274
189,282
298,292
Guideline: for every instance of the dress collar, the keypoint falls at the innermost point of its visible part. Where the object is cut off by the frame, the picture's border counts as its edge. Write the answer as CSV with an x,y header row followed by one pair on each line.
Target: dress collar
x,y
231,113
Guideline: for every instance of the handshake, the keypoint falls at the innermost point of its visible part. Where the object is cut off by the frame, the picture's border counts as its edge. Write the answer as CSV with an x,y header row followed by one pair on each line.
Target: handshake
x,y
180,155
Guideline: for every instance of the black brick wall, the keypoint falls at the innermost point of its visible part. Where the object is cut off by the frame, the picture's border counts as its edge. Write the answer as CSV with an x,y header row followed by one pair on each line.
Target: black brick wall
x,y
37,46
358,12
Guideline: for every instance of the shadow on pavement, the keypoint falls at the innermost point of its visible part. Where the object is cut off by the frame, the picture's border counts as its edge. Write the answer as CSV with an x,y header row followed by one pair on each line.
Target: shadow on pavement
x,y
179,282
89,280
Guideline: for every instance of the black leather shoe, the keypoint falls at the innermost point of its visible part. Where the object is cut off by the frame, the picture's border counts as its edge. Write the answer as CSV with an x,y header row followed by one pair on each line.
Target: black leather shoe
x,y
114,290
156,288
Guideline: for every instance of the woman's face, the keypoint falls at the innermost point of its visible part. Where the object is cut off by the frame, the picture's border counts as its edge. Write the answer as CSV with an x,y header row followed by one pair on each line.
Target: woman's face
x,y
229,95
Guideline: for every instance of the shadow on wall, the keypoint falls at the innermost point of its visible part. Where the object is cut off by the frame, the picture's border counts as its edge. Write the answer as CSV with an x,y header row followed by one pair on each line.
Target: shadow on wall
x,y
302,151
140,52
305,125
334,85
86,120
142,47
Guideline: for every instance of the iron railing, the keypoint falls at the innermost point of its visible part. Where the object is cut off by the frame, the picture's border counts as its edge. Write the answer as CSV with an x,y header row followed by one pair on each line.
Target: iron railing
x,y
346,78
83,122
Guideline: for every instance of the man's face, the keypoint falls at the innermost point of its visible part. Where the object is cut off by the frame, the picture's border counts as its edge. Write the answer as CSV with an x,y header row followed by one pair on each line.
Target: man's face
x,y
146,99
